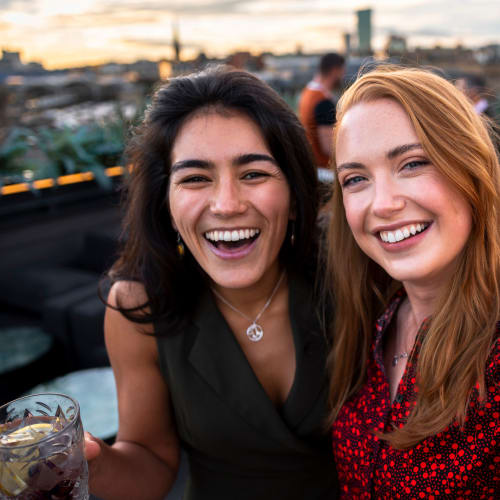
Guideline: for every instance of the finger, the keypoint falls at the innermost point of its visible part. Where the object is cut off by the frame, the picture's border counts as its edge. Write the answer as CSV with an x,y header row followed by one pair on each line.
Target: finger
x,y
92,447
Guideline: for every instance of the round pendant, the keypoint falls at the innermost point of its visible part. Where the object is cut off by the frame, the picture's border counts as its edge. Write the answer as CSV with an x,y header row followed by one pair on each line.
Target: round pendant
x,y
255,332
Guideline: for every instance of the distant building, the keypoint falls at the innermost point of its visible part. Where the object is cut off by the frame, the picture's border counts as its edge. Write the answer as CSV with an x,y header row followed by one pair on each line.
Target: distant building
x,y
347,44
176,42
395,46
188,66
112,68
247,61
164,69
146,70
444,56
12,59
364,32
289,72
10,64
489,54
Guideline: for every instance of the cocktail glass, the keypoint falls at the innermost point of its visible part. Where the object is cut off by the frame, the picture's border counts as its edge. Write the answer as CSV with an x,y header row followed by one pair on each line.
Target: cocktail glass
x,y
41,449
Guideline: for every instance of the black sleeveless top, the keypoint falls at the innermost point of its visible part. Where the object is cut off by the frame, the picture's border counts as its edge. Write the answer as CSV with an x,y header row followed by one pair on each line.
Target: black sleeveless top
x,y
239,445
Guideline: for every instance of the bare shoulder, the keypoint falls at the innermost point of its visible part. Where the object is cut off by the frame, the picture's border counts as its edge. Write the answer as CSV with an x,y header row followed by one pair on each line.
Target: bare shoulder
x,y
127,294
145,415
126,338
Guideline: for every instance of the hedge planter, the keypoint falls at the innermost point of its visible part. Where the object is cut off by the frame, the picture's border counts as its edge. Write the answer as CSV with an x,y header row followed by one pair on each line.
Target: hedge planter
x,y
51,195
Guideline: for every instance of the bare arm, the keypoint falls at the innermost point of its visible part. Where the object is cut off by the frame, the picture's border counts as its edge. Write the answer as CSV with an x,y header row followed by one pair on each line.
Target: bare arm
x,y
325,139
142,464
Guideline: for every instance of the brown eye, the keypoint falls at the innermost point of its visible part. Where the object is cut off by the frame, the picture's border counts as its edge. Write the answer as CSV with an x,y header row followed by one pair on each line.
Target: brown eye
x,y
193,179
255,175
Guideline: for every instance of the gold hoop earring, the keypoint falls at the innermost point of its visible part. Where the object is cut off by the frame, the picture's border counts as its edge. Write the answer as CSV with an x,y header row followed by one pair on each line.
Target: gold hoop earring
x,y
180,246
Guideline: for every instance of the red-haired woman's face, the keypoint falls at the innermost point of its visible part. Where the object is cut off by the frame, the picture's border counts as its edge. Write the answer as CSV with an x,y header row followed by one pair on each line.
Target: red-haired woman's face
x,y
403,213
229,199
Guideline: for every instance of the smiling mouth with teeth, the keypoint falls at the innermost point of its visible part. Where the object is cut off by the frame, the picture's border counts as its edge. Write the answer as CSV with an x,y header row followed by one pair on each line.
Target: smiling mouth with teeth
x,y
403,233
234,238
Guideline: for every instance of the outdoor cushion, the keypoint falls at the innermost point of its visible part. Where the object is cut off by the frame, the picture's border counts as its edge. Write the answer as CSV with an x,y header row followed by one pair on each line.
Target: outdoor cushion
x,y
86,328
99,250
55,316
30,287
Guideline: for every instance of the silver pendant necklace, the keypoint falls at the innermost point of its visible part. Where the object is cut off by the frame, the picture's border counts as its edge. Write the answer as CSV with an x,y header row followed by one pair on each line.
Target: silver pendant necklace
x,y
255,332
403,354
397,357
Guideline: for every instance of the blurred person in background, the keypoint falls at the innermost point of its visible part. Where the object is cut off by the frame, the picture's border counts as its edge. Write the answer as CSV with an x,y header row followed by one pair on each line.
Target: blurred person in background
x,y
474,87
415,242
317,106
211,325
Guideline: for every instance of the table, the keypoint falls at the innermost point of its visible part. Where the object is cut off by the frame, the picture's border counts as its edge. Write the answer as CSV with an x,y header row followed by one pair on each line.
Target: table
x,y
95,391
21,345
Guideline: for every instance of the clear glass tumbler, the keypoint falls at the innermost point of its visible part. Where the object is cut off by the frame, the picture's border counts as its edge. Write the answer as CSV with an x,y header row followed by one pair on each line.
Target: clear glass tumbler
x,y
41,449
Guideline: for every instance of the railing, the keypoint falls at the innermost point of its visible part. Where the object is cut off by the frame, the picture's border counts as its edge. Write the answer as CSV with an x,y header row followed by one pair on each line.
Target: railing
x,y
324,175
59,181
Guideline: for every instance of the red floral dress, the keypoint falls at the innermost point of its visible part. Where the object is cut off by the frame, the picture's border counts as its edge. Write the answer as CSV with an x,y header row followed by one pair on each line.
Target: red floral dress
x,y
456,463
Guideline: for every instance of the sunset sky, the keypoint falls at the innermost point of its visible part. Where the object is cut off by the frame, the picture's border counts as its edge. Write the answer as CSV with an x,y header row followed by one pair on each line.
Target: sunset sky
x,y
78,32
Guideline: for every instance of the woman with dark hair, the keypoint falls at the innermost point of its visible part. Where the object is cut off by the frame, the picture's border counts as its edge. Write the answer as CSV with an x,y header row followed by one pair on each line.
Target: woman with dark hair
x,y
415,265
211,328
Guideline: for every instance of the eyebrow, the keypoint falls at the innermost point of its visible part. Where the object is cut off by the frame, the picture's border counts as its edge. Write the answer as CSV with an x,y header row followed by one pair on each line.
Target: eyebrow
x,y
238,161
393,153
192,163
349,165
251,157
404,148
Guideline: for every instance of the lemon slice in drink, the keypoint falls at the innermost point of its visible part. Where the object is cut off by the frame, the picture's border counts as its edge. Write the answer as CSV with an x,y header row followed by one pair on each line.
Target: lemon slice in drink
x,y
12,478
13,474
29,434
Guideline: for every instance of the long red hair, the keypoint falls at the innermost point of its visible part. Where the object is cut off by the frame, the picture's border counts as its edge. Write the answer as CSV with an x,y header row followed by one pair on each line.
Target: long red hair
x,y
455,349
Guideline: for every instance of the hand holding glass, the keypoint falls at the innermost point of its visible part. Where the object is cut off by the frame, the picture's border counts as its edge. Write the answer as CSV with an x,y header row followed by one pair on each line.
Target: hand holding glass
x,y
41,449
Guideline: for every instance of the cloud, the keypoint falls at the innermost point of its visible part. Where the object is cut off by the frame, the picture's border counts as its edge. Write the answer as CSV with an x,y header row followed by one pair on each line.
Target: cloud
x,y
7,4
147,42
288,8
157,42
132,27
100,20
327,28
430,19
179,7
428,31
221,7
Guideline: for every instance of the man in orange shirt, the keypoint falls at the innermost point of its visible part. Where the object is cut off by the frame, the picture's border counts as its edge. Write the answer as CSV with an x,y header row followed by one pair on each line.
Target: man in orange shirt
x,y
317,106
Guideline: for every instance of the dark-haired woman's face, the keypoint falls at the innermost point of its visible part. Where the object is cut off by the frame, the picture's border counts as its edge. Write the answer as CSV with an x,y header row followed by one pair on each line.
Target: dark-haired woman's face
x,y
229,200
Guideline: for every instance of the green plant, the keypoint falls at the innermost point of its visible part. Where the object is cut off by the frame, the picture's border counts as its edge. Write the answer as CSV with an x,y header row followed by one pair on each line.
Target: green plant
x,y
68,152
27,155
15,162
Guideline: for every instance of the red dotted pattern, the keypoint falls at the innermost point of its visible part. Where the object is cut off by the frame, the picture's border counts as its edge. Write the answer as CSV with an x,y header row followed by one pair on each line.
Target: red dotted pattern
x,y
456,463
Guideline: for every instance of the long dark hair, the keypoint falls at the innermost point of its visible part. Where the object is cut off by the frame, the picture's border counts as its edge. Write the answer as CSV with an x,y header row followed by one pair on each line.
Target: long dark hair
x,y
149,253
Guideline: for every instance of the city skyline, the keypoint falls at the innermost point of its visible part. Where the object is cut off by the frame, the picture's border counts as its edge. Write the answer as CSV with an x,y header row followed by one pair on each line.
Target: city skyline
x,y
65,34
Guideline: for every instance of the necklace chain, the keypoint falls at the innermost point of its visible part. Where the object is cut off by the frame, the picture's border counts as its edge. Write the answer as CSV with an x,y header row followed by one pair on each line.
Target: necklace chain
x,y
255,332
400,355
397,357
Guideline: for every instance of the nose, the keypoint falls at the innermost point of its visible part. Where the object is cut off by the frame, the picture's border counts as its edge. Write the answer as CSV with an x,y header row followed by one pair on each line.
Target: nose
x,y
227,199
387,198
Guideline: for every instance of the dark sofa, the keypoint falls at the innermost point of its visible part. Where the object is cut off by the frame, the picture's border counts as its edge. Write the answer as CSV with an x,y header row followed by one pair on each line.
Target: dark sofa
x,y
51,263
